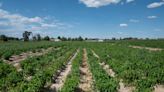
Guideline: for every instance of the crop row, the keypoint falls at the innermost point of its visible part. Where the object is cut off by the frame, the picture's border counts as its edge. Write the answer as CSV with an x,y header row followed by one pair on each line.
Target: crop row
x,y
140,68
10,48
40,68
73,79
102,81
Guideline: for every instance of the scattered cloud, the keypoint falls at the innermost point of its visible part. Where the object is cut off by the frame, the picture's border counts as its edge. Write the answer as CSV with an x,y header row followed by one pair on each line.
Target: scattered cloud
x,y
129,1
156,4
120,33
123,25
16,23
122,3
134,20
152,17
98,3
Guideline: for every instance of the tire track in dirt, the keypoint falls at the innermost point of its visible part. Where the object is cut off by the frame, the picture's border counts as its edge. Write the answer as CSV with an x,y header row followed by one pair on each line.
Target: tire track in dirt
x,y
16,59
59,80
106,67
86,79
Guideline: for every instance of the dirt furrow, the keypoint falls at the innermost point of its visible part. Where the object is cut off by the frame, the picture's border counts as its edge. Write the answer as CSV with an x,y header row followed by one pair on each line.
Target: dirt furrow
x,y
86,76
147,48
59,81
159,88
95,54
16,59
122,87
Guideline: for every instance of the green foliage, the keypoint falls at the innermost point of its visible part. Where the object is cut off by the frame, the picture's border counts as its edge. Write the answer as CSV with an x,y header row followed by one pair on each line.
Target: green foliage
x,y
103,82
140,68
73,78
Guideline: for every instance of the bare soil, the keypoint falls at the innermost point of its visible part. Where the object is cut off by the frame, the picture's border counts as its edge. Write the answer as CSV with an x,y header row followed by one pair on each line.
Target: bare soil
x,y
108,69
123,88
95,54
148,48
60,80
86,76
159,88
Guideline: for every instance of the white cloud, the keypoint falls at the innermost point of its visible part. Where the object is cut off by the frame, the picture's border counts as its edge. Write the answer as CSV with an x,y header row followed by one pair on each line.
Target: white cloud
x,y
122,3
120,33
128,1
17,24
155,4
123,25
134,20
152,17
98,3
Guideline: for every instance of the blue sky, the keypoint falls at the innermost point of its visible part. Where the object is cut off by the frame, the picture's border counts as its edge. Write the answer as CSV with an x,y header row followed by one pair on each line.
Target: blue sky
x,y
86,18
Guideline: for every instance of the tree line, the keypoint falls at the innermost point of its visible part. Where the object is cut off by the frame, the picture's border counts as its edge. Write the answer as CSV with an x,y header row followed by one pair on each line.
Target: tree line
x,y
26,37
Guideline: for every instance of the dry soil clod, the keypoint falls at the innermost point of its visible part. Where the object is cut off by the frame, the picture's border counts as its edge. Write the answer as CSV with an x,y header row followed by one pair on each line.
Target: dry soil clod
x,y
86,76
59,81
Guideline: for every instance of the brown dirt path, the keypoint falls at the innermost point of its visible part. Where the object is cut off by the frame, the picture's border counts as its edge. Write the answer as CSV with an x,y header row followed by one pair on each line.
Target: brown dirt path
x,y
59,82
106,67
147,48
86,79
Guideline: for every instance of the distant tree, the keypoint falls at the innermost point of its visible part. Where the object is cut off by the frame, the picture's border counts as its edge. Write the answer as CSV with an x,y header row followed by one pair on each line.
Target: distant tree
x,y
147,38
63,39
34,38
86,38
80,38
47,38
26,35
69,39
3,38
59,37
113,38
38,37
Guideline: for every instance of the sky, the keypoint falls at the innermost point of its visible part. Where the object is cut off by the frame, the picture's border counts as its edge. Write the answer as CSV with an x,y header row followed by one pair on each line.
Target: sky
x,y
86,18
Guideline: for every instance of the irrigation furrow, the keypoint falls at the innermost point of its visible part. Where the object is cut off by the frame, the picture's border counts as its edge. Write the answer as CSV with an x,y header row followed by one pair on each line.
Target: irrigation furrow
x,y
85,75
59,80
159,88
110,72
147,48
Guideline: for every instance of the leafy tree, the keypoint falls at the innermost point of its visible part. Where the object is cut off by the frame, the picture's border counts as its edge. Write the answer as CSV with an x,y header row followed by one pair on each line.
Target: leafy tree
x,y
34,38
80,38
59,37
47,38
38,37
3,38
86,38
26,35
64,39
113,38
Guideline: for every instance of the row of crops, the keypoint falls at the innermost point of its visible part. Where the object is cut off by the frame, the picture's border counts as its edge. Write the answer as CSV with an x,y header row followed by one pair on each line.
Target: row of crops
x,y
144,43
40,69
141,69
10,48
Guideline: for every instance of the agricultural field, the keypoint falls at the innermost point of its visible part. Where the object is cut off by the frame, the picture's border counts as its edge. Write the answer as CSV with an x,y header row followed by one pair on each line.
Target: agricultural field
x,y
115,66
